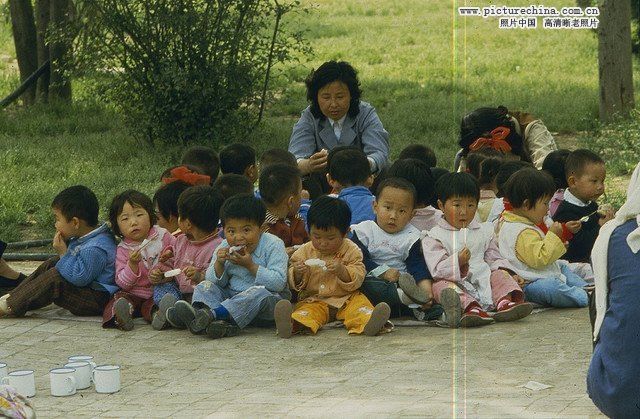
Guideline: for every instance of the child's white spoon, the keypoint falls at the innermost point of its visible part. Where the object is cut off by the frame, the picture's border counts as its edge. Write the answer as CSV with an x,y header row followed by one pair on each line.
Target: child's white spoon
x,y
586,217
172,273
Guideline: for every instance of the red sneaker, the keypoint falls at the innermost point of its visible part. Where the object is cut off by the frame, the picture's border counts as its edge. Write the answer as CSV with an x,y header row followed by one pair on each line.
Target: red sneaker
x,y
510,311
474,316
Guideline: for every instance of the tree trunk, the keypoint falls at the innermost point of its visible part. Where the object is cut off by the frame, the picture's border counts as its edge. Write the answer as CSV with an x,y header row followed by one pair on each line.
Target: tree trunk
x,y
614,59
24,38
59,85
42,23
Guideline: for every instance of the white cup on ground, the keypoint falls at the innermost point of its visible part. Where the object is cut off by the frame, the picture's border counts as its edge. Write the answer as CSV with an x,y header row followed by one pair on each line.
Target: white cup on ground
x,y
83,358
106,378
82,373
24,381
4,370
63,382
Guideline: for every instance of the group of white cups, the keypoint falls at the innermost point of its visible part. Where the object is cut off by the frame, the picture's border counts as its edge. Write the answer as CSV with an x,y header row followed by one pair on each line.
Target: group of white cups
x,y
77,374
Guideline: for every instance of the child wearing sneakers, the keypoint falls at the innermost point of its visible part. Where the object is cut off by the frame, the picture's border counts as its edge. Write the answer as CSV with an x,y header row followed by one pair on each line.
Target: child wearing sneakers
x,y
190,255
81,277
327,273
391,249
132,219
470,276
246,278
350,176
280,188
532,252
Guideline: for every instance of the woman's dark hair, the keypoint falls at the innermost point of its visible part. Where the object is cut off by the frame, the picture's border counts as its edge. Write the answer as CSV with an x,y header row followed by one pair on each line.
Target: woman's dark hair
x,y
528,184
505,171
327,73
243,207
135,199
554,165
326,212
418,174
457,184
482,121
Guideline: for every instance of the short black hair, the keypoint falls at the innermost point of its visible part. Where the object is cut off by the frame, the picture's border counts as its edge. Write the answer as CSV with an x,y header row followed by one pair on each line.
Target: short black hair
x,y
327,73
577,160
201,206
326,212
418,174
203,157
475,158
135,199
489,170
277,155
78,201
528,184
277,182
398,183
458,184
554,164
436,173
166,197
236,158
420,152
505,171
243,207
348,166
232,184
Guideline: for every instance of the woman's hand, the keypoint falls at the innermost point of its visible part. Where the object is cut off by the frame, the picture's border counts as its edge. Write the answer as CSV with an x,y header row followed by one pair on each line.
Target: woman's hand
x,y
316,163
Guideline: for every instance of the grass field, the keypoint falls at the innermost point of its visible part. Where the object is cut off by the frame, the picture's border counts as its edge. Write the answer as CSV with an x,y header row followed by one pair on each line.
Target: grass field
x,y
421,65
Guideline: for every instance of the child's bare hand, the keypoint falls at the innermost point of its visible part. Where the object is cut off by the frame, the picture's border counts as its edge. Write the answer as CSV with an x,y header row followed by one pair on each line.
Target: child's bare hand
x,y
58,244
521,282
391,275
556,228
223,254
166,255
464,256
241,258
156,276
605,216
299,271
193,274
290,250
573,226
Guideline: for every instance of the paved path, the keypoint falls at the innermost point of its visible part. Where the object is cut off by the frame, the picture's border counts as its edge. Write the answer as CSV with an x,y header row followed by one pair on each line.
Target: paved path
x,y
413,371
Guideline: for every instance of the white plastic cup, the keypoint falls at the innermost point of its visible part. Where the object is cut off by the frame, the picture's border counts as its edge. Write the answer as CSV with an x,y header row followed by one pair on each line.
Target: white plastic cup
x,y
63,382
24,381
83,358
4,370
106,378
82,373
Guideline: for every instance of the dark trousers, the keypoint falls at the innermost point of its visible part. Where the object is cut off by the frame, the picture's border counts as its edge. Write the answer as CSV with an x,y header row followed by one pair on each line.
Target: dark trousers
x,y
45,286
378,291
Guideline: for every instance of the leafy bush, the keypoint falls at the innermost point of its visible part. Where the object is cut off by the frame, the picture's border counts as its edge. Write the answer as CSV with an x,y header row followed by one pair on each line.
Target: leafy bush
x,y
183,70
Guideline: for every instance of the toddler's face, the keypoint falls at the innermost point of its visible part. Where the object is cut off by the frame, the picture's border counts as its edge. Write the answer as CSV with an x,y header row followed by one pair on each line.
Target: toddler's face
x,y
162,222
328,241
537,213
459,210
134,222
394,209
240,232
63,226
590,184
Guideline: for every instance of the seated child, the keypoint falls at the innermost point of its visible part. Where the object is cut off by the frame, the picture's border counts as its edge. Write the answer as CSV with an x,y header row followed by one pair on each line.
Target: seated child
x,y
203,157
277,155
392,255
232,184
198,215
419,175
470,276
81,277
349,176
554,164
165,204
490,206
192,175
329,289
132,218
280,187
532,253
239,159
419,152
585,173
246,278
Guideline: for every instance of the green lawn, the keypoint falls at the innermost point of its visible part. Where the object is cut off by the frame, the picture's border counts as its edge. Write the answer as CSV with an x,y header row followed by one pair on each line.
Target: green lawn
x,y
420,65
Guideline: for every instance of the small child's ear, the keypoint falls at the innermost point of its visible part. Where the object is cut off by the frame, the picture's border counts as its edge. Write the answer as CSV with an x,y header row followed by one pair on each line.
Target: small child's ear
x,y
334,184
571,180
526,204
440,205
369,181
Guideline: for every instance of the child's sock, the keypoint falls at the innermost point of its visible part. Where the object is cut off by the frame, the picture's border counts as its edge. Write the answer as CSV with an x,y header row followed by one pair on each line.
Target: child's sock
x,y
221,313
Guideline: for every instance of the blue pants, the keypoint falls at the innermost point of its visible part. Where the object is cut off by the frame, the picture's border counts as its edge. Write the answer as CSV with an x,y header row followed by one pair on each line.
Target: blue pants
x,y
254,303
555,293
161,290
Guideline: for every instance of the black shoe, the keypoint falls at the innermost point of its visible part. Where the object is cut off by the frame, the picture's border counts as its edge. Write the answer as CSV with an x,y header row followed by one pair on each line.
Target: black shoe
x,y
220,329
203,319
160,319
